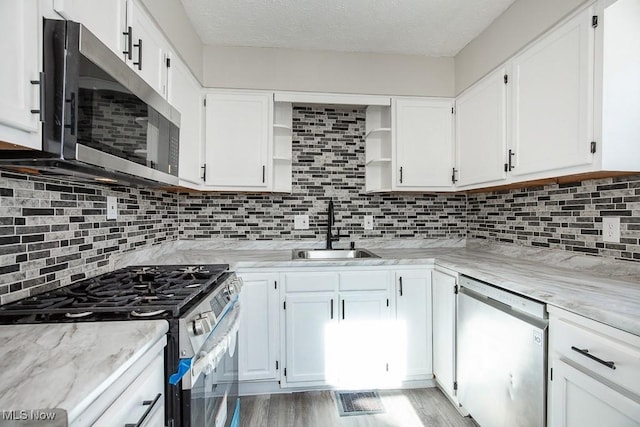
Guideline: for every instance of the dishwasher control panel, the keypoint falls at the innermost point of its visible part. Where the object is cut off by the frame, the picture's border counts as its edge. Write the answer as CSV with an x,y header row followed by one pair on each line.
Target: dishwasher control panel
x,y
517,302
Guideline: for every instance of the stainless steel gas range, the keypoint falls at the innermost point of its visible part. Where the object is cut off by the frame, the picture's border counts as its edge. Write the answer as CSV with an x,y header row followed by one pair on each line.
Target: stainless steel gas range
x,y
200,303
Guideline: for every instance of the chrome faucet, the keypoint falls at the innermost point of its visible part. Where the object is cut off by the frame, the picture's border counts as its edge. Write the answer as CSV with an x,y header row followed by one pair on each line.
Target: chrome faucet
x,y
331,220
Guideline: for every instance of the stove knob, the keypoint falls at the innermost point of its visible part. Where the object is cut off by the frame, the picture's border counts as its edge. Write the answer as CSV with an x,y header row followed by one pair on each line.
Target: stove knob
x,y
201,326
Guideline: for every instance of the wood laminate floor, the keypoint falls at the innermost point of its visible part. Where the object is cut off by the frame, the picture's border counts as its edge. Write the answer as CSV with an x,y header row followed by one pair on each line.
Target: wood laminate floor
x,y
404,408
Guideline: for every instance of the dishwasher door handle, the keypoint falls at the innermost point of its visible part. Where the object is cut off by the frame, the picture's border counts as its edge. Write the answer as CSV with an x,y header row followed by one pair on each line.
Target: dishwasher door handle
x,y
585,352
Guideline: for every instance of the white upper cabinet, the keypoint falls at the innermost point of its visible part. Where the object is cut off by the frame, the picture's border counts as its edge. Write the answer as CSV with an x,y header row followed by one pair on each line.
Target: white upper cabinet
x,y
149,50
481,132
423,143
105,19
185,94
20,34
552,86
238,137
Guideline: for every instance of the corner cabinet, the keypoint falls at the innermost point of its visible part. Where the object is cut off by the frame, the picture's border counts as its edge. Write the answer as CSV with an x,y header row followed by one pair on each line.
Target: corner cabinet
x,y
20,31
481,132
594,373
445,289
422,144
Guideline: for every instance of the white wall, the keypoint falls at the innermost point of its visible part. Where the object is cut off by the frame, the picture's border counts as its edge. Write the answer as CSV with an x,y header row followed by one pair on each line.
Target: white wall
x,y
171,17
521,23
324,71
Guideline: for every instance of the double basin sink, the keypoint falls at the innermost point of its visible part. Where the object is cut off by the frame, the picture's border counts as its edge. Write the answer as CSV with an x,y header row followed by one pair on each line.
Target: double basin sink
x,y
332,254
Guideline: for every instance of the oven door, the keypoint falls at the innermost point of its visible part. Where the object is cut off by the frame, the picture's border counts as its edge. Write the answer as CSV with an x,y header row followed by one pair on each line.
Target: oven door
x,y
213,397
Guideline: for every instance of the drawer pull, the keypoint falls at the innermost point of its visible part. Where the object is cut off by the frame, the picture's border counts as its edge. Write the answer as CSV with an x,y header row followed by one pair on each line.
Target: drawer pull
x,y
585,352
150,404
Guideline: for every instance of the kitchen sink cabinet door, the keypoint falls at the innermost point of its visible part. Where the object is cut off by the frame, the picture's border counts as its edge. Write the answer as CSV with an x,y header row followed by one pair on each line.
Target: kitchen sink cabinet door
x,y
481,132
238,135
258,345
359,344
444,330
185,94
552,103
309,318
413,359
423,144
105,19
20,32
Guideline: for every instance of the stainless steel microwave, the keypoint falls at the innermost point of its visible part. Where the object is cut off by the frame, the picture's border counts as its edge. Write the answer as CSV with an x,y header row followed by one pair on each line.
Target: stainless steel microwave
x,y
100,120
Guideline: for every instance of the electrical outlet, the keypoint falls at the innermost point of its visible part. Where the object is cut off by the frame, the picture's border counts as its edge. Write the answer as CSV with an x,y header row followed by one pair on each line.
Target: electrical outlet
x,y
301,222
368,222
112,207
611,229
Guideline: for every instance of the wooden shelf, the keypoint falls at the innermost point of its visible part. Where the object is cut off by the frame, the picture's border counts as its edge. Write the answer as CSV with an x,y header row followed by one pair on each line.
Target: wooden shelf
x,y
377,130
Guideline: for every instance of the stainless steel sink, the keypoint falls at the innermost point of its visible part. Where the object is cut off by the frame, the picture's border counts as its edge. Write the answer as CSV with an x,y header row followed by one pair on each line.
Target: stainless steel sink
x,y
331,254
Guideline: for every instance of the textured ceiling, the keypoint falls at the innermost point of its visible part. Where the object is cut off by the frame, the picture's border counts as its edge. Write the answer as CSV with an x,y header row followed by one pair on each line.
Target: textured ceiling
x,y
424,27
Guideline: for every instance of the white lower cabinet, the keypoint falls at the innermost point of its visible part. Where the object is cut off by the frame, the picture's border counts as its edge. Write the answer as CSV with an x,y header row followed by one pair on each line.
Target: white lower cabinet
x,y
413,329
258,332
594,373
444,329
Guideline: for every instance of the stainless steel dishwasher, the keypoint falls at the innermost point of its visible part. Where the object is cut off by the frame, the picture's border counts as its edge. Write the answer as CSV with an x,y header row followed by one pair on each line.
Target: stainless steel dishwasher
x,y
502,356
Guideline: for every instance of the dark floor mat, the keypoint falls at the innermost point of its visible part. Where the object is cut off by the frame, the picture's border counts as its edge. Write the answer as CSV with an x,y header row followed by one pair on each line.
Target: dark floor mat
x,y
359,403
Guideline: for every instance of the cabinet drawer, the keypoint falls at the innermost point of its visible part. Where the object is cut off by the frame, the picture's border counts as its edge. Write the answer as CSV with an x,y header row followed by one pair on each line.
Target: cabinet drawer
x,y
310,282
129,407
580,344
364,281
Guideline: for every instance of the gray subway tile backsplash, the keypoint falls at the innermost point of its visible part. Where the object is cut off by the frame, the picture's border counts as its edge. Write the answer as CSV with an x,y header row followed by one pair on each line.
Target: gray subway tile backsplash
x,y
54,232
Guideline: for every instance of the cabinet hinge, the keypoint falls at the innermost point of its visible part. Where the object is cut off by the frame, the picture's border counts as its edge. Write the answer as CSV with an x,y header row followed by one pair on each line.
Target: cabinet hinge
x,y
453,111
506,79
594,21
284,305
593,147
285,372
455,385
168,62
455,289
277,365
551,375
204,102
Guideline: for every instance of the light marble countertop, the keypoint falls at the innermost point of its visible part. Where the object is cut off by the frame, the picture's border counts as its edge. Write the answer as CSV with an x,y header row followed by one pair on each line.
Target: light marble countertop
x,y
604,290
68,365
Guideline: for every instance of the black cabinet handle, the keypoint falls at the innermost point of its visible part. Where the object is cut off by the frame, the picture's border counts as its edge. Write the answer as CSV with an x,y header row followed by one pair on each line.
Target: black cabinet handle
x,y
400,280
129,34
453,175
585,352
139,46
400,174
204,172
332,308
40,82
264,171
511,154
342,309
150,404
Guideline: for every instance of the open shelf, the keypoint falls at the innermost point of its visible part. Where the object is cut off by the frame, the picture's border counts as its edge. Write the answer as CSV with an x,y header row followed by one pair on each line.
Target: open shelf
x,y
373,161
281,155
377,130
378,151
283,127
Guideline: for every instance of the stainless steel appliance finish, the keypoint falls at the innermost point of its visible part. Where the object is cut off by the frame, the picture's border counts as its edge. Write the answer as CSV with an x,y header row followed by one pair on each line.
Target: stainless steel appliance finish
x,y
502,347
83,136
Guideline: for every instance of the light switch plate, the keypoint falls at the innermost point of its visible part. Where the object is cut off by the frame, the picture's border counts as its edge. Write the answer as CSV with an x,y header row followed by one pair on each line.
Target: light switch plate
x,y
112,207
301,222
368,222
611,229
